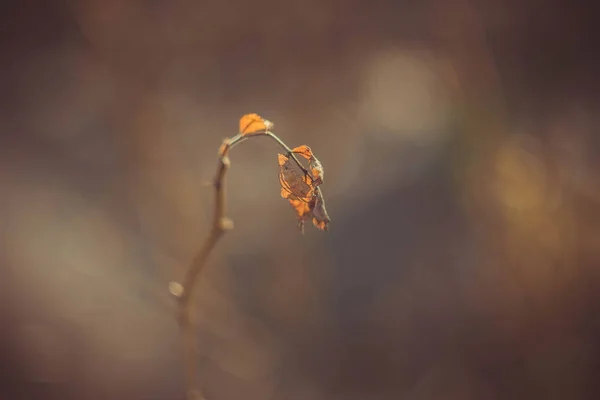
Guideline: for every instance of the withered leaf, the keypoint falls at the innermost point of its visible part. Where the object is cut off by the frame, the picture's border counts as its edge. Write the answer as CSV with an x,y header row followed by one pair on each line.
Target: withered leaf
x,y
293,180
315,168
313,209
302,209
253,123
316,171
319,212
304,151
301,188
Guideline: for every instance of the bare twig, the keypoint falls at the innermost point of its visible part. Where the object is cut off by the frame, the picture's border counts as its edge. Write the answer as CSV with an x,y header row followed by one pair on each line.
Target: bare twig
x,y
185,291
220,224
238,139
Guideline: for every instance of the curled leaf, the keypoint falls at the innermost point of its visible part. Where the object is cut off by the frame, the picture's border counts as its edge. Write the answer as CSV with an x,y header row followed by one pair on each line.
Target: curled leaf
x,y
293,180
313,209
304,151
315,168
253,123
319,212
300,188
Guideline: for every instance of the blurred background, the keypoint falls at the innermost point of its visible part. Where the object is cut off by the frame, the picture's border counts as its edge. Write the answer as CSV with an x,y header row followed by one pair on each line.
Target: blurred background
x,y
460,146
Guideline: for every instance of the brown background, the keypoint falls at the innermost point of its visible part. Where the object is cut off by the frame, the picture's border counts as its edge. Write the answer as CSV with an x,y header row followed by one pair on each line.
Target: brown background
x,y
460,146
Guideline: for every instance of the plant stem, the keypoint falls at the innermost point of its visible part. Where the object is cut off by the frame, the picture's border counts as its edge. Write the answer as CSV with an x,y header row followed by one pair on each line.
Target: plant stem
x,y
184,292
238,139
220,224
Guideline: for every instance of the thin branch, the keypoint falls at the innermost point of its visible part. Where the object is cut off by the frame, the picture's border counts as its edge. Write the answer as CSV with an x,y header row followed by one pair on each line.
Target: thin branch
x,y
220,224
238,139
185,291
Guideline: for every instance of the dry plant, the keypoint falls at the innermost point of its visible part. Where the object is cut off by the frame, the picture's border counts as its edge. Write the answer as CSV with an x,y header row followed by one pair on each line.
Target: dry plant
x,y
300,185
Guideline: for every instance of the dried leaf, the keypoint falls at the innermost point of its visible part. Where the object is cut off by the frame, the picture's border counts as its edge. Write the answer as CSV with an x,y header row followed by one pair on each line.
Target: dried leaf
x,y
315,168
313,210
316,171
253,124
302,209
304,151
320,217
301,188
293,180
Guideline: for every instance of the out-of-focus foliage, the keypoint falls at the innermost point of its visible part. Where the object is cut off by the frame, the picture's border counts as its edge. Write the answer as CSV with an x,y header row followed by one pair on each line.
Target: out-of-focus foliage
x,y
461,150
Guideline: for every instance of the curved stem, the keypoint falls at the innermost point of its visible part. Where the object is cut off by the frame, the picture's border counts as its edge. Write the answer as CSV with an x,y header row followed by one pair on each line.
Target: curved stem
x,y
220,224
238,139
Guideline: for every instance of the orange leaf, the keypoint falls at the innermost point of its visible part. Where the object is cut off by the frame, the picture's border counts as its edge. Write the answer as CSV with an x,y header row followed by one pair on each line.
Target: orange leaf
x,y
254,123
301,187
302,210
304,151
322,225
312,210
315,168
293,180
